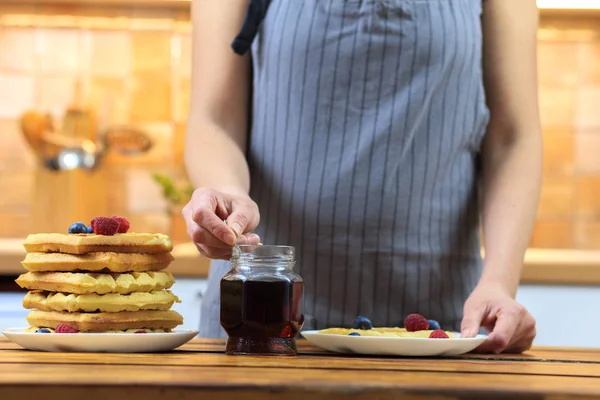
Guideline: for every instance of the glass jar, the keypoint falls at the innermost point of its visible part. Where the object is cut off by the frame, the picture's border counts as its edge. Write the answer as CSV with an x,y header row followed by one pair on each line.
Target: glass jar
x,y
261,301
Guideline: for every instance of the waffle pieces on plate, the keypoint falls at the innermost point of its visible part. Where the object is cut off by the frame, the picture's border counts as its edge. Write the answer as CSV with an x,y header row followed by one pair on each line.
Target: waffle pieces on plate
x,y
97,281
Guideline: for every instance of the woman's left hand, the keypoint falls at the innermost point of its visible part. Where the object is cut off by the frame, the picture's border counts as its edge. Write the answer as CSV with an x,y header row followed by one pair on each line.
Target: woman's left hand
x,y
511,328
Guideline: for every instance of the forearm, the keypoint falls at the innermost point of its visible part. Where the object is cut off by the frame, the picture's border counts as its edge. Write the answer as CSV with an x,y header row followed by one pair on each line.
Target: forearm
x,y
511,186
214,160
512,147
219,100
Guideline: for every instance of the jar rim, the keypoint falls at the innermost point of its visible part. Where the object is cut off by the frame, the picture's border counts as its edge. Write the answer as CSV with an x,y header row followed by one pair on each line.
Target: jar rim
x,y
263,253
242,246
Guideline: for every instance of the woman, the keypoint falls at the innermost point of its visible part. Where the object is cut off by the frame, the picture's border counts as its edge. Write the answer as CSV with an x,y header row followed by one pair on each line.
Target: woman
x,y
358,131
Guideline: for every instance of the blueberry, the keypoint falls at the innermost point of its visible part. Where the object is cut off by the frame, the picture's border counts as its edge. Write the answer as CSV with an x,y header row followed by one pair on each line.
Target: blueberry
x,y
362,323
354,334
89,229
78,227
433,324
43,330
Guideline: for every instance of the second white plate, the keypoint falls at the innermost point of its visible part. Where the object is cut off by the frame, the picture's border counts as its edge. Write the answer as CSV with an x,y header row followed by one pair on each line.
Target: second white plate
x,y
390,346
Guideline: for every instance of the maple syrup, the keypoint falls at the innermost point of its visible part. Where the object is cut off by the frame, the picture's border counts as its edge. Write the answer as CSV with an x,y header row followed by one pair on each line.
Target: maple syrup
x,y
261,301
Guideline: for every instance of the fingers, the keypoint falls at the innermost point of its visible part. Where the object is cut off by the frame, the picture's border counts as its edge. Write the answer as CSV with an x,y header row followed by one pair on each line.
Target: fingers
x,y
204,216
253,239
203,236
214,253
224,253
473,315
208,220
208,208
505,330
523,338
244,218
201,212
213,248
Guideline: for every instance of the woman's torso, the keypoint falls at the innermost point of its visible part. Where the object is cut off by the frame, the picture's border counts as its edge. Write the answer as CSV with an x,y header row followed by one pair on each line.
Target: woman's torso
x,y
367,117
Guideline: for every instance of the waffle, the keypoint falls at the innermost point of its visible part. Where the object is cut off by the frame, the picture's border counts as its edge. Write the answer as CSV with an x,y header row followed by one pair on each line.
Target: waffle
x,y
102,322
382,332
84,283
112,302
88,243
97,262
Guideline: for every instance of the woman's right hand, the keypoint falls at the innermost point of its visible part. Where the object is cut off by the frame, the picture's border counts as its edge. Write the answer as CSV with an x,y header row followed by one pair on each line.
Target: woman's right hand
x,y
204,216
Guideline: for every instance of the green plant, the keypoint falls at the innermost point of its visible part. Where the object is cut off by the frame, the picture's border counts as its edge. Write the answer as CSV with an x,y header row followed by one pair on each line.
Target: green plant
x,y
175,195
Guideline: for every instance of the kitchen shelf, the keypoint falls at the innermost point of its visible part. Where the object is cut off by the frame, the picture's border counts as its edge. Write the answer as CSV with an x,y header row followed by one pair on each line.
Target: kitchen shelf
x,y
547,7
174,4
569,12
541,266
96,14
561,267
569,4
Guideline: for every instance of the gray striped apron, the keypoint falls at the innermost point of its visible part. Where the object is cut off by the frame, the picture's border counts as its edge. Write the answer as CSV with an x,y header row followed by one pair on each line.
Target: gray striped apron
x,y
366,123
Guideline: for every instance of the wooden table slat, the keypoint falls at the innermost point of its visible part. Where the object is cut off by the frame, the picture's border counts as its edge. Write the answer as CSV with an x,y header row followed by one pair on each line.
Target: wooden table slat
x,y
315,363
201,367
327,380
552,354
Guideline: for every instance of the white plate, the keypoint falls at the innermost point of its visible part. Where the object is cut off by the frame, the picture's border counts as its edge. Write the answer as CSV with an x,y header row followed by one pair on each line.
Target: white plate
x,y
100,342
390,346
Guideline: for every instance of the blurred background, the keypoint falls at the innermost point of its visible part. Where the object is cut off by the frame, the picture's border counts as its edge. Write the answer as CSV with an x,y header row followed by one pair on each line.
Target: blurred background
x,y
88,73
93,101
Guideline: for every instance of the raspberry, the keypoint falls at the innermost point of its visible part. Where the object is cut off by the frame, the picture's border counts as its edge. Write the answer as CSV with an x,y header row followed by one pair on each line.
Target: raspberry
x,y
64,328
140,332
105,226
123,224
416,322
438,334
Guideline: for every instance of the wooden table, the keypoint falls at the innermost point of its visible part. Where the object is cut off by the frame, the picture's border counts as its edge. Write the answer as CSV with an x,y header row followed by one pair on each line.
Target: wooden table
x,y
200,370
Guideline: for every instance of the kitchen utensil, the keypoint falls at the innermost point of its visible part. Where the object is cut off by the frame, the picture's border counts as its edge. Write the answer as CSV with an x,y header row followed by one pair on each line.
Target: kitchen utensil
x,y
86,154
126,140
34,126
79,122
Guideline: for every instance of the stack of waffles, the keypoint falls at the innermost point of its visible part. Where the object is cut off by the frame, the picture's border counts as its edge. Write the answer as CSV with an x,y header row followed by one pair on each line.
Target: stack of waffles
x,y
98,283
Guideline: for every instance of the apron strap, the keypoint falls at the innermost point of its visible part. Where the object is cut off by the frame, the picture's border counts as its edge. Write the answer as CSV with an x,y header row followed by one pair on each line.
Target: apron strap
x,y
256,12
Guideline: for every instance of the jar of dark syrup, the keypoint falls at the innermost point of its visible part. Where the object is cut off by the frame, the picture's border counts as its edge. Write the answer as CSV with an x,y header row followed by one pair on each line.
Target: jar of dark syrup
x,y
261,301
